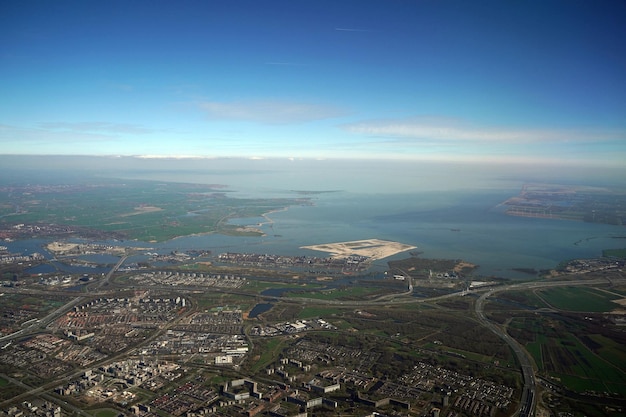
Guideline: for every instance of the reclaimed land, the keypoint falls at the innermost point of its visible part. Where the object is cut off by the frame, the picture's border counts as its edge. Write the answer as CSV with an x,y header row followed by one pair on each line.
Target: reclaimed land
x,y
551,201
373,249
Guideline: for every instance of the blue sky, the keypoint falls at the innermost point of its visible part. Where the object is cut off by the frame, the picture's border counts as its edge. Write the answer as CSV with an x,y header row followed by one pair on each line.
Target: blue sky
x,y
534,81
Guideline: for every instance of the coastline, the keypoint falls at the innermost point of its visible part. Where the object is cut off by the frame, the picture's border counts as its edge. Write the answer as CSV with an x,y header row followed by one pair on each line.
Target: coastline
x,y
257,228
270,221
245,230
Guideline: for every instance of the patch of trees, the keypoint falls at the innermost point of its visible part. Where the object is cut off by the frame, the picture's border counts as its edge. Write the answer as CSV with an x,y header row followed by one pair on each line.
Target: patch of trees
x,y
470,336
390,327
393,364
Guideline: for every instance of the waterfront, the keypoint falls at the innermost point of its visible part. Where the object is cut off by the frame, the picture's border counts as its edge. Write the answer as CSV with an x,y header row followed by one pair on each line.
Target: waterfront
x,y
453,225
466,225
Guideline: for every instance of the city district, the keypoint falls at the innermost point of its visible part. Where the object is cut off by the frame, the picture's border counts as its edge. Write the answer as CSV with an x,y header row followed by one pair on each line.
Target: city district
x,y
234,334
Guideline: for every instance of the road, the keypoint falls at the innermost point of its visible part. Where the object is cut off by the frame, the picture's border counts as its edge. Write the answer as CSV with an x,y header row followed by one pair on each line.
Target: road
x,y
37,325
529,391
528,400
45,396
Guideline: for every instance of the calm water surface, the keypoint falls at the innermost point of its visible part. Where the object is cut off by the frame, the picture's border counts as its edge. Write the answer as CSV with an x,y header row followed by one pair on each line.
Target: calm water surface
x,y
457,225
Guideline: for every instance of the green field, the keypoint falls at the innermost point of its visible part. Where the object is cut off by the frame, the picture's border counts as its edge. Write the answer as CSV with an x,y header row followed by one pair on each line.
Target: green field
x,y
610,350
580,299
270,349
313,312
260,286
582,361
339,294
615,253
143,210
524,298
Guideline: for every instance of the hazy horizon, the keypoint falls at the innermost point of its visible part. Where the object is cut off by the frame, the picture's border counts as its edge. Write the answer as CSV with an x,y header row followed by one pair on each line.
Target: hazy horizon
x,y
282,175
174,174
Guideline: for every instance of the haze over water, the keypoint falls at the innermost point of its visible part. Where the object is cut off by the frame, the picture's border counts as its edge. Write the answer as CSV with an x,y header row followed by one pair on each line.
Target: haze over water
x,y
446,210
439,111
455,224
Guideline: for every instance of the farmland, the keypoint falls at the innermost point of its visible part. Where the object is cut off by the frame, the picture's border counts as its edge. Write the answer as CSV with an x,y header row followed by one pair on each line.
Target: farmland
x,y
141,210
580,299
576,343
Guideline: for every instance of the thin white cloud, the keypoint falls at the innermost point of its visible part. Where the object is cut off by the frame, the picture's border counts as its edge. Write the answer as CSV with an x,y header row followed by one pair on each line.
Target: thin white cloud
x,y
269,112
172,156
442,130
96,127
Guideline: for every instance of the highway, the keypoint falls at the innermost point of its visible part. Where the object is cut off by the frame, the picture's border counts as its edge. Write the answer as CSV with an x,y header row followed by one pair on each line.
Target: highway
x,y
31,391
529,391
528,400
37,325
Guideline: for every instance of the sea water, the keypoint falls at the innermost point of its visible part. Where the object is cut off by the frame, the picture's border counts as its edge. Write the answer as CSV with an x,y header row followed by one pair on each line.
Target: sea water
x,y
471,226
459,224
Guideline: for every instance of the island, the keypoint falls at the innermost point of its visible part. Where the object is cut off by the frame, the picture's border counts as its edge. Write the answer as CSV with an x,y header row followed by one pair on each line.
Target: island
x,y
373,249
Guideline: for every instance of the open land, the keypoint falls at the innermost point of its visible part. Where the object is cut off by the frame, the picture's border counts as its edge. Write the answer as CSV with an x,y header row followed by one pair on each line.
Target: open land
x,y
177,335
373,249
235,334
66,248
141,210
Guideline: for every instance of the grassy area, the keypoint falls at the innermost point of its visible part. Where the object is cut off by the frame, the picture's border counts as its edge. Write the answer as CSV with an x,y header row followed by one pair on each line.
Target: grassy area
x,y
590,373
342,325
580,299
477,357
534,348
525,298
559,353
143,210
210,300
3,382
218,380
610,351
312,312
260,286
270,350
615,253
415,307
339,294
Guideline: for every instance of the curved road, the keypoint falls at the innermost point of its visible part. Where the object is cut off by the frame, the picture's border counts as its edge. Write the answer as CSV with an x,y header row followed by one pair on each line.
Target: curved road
x,y
527,364
529,392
